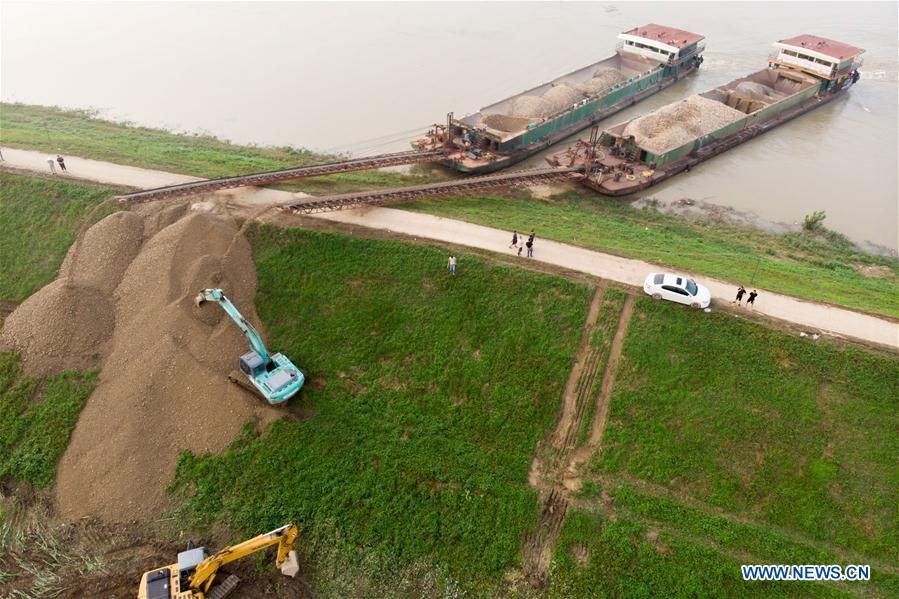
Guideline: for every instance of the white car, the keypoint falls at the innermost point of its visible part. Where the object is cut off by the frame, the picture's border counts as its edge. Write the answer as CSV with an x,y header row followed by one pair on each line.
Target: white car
x,y
677,288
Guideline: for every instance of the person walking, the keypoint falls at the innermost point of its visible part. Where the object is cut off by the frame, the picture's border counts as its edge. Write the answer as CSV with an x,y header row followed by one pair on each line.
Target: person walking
x,y
52,162
452,265
751,300
62,162
520,244
514,239
530,245
740,291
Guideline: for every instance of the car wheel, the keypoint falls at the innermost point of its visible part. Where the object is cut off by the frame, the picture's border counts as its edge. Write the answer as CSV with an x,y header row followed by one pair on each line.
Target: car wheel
x,y
656,296
695,305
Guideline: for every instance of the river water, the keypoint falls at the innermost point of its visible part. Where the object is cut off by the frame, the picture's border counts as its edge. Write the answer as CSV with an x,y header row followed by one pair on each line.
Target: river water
x,y
364,78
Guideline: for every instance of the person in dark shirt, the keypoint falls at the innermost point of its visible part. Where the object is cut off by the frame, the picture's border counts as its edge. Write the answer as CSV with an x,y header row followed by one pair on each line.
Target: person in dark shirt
x,y
61,161
514,239
751,300
740,291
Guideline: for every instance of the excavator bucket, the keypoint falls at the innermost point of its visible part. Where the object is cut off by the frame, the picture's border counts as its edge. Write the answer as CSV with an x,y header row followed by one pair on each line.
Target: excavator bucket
x,y
200,299
291,565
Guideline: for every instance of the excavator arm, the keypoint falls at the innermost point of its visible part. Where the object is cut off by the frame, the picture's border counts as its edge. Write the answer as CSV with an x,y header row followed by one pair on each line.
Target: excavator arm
x,y
283,537
253,336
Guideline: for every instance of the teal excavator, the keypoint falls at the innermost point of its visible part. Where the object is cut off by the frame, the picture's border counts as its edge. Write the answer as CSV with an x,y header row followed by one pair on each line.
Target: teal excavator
x,y
274,377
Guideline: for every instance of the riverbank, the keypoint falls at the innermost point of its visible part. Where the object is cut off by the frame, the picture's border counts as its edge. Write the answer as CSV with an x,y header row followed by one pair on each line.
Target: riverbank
x,y
82,133
823,267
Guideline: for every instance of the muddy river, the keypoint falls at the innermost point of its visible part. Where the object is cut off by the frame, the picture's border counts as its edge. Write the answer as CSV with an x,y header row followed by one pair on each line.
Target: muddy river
x,y
363,78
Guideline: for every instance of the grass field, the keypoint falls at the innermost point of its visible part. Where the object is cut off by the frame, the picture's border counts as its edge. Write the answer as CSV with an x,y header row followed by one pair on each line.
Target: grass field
x,y
429,394
37,416
728,444
82,134
822,267
754,421
40,220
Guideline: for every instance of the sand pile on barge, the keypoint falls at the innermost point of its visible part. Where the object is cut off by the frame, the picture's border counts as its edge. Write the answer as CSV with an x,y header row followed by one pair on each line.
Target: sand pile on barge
x,y
561,96
530,106
677,124
602,80
502,122
757,91
124,303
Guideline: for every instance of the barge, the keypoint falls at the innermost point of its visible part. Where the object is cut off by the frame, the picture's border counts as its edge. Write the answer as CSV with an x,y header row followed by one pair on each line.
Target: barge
x,y
647,60
803,73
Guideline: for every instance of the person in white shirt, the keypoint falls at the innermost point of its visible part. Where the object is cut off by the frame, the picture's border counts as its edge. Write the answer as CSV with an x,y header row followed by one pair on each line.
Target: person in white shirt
x,y
452,264
52,162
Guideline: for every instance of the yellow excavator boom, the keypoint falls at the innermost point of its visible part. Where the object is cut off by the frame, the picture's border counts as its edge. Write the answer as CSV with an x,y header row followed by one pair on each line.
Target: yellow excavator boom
x,y
206,570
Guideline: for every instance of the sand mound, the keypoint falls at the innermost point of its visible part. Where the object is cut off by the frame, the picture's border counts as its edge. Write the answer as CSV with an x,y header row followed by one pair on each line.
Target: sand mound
x,y
63,326
104,252
530,106
601,81
124,300
677,124
562,96
502,122
757,91
163,387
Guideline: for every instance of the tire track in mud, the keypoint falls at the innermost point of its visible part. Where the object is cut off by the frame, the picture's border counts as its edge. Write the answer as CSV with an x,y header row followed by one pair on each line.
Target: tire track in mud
x,y
555,470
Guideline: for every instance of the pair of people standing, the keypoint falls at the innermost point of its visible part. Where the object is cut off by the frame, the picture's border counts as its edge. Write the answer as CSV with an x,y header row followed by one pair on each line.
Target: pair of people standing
x,y
52,162
520,243
750,301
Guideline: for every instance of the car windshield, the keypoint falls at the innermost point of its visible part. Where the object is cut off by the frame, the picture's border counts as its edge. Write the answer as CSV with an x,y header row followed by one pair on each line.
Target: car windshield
x,y
691,287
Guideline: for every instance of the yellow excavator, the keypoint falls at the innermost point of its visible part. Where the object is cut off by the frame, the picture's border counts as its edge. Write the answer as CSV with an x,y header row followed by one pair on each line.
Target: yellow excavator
x,y
193,577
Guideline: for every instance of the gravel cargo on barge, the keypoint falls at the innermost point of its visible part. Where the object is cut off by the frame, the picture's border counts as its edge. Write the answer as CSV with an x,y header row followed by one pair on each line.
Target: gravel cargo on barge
x,y
803,73
647,60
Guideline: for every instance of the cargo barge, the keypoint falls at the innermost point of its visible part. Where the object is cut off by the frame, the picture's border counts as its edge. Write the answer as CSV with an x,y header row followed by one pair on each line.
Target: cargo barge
x,y
647,60
803,73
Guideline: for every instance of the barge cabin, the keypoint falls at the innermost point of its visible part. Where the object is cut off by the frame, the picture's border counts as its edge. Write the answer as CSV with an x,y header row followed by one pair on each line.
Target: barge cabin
x,y
647,60
803,73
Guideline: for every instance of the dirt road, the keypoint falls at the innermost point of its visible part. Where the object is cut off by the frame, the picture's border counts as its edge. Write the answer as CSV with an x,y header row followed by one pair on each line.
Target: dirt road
x,y
838,322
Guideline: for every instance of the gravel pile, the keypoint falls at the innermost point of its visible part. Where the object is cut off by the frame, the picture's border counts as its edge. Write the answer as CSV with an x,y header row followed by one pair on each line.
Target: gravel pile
x,y
757,91
502,122
562,96
124,302
101,256
677,124
530,107
63,326
602,80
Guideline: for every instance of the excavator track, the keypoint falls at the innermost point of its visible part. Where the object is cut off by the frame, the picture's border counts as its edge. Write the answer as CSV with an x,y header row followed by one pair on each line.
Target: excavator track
x,y
264,178
462,185
226,588
236,377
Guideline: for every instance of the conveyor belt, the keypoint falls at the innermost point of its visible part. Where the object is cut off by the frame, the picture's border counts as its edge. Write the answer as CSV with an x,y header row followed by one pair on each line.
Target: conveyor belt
x,y
343,166
462,185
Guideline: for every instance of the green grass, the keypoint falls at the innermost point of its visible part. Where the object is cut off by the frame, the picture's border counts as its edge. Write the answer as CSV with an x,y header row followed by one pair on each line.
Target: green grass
x,y
813,266
40,220
81,133
37,416
429,393
630,557
753,421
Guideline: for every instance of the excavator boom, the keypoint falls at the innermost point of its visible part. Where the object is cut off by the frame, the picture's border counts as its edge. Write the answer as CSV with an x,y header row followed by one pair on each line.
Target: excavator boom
x,y
252,335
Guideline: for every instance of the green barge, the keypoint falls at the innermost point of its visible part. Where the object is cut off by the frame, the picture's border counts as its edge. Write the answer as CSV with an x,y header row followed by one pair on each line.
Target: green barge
x,y
803,73
647,60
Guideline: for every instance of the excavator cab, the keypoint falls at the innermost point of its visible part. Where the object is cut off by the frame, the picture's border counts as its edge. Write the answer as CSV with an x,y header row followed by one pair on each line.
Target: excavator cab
x,y
273,376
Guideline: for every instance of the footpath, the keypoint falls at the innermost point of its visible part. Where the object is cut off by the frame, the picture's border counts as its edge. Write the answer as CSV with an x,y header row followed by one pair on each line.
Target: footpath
x,y
815,317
